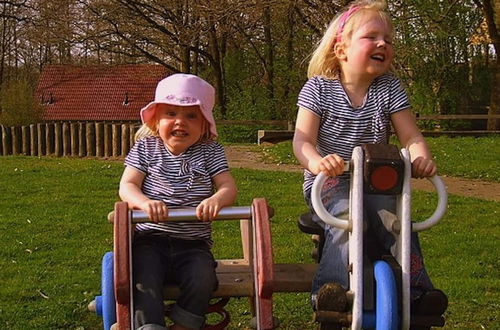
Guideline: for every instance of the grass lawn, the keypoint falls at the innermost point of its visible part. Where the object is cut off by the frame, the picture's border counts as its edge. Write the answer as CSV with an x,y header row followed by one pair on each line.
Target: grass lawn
x,y
54,233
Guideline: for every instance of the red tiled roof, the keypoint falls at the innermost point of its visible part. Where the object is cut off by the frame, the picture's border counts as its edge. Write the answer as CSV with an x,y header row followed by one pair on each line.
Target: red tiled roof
x,y
97,93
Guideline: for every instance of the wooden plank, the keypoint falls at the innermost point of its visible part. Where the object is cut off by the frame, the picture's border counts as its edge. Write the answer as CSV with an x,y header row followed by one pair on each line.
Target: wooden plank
x,y
236,279
279,123
454,117
293,277
273,136
459,133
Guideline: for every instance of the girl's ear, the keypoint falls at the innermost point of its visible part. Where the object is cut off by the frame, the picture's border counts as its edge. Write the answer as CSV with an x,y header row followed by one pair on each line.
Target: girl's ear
x,y
339,50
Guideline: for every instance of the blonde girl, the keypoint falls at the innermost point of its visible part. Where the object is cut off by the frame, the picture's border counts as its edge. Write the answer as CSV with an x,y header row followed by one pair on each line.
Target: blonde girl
x,y
176,163
352,98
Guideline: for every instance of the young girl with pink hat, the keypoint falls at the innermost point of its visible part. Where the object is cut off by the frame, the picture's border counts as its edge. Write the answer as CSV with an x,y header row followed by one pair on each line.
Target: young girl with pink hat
x,y
176,163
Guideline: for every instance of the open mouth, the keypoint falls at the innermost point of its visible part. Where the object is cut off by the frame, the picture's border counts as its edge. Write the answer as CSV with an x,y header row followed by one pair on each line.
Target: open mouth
x,y
179,133
378,57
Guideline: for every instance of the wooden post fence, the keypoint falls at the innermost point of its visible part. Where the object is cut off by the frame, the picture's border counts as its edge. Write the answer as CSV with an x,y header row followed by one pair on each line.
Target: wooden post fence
x,y
105,139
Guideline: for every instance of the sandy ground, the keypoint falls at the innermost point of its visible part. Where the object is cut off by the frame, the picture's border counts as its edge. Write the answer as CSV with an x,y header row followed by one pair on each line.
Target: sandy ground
x,y
244,157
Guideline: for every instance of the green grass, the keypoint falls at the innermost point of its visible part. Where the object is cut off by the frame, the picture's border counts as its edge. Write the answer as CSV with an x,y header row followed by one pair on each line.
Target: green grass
x,y
54,233
468,157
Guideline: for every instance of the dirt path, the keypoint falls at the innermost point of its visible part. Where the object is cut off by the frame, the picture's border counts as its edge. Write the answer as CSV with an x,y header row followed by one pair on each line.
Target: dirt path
x,y
244,157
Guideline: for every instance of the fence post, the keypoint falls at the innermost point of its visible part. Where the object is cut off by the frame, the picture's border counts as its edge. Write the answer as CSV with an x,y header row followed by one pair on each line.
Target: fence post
x,y
82,149
16,142
133,130
74,138
116,139
1,140
90,138
6,139
34,140
25,133
66,139
99,136
41,139
58,149
49,138
108,143
125,139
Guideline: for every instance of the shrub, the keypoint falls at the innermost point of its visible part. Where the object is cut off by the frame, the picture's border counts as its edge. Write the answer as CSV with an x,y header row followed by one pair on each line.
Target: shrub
x,y
17,104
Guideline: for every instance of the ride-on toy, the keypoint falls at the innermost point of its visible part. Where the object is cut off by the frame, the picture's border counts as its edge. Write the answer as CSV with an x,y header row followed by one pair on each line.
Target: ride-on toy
x,y
257,277
379,293
254,276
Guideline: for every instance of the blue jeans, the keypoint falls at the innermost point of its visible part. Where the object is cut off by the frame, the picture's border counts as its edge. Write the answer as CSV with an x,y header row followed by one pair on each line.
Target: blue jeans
x,y
378,213
158,260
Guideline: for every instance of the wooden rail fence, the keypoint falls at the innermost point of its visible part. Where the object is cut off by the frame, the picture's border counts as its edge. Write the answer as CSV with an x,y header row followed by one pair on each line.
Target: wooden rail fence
x,y
82,139
99,139
273,136
108,139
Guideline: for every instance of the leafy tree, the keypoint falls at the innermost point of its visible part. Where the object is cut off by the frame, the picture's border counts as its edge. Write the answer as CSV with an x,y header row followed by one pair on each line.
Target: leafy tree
x,y
17,105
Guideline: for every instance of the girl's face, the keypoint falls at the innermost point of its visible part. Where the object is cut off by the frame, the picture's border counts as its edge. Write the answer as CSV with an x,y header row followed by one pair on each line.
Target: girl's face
x,y
369,52
179,126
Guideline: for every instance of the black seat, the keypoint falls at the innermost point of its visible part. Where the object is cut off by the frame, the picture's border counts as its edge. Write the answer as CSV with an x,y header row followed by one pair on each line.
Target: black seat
x,y
308,226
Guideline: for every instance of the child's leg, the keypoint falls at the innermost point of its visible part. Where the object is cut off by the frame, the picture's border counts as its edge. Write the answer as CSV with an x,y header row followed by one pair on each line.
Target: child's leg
x,y
149,270
194,267
380,212
334,259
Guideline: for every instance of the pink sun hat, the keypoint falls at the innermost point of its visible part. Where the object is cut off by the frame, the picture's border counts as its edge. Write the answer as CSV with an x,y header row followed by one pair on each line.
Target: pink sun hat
x,y
183,90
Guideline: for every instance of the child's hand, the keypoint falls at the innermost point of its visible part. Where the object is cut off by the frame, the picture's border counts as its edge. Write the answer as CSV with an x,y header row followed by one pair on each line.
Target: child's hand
x,y
332,165
157,210
423,168
208,209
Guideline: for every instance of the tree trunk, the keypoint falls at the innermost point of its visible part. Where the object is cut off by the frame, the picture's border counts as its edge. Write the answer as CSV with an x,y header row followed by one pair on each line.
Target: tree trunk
x,y
489,12
218,71
185,59
269,56
288,113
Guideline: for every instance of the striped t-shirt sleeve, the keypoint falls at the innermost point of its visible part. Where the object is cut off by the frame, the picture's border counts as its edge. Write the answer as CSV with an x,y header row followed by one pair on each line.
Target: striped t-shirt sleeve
x,y
398,97
215,159
137,156
310,96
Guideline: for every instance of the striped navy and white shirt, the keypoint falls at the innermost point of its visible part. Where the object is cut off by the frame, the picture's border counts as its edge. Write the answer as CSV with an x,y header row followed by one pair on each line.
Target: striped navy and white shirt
x,y
342,126
179,181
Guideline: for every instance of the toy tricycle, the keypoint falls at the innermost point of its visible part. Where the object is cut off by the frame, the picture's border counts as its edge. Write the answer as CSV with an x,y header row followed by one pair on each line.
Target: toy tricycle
x,y
381,298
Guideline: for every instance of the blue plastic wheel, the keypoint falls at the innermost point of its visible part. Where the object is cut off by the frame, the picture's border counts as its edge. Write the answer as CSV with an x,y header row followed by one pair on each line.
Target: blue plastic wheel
x,y
108,304
386,313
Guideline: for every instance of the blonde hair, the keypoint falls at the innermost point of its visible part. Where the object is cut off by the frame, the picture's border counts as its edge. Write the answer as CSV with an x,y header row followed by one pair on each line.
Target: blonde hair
x,y
150,128
323,60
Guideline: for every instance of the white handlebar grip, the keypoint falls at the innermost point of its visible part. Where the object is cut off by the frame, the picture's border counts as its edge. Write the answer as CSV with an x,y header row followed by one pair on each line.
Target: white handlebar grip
x,y
440,209
320,209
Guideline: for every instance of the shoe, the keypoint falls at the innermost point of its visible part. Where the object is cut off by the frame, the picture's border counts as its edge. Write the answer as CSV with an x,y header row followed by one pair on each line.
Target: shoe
x,y
433,302
331,297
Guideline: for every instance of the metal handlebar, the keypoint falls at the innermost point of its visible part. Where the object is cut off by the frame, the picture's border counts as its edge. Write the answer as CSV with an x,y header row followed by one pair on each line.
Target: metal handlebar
x,y
440,209
320,209
189,214
330,219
